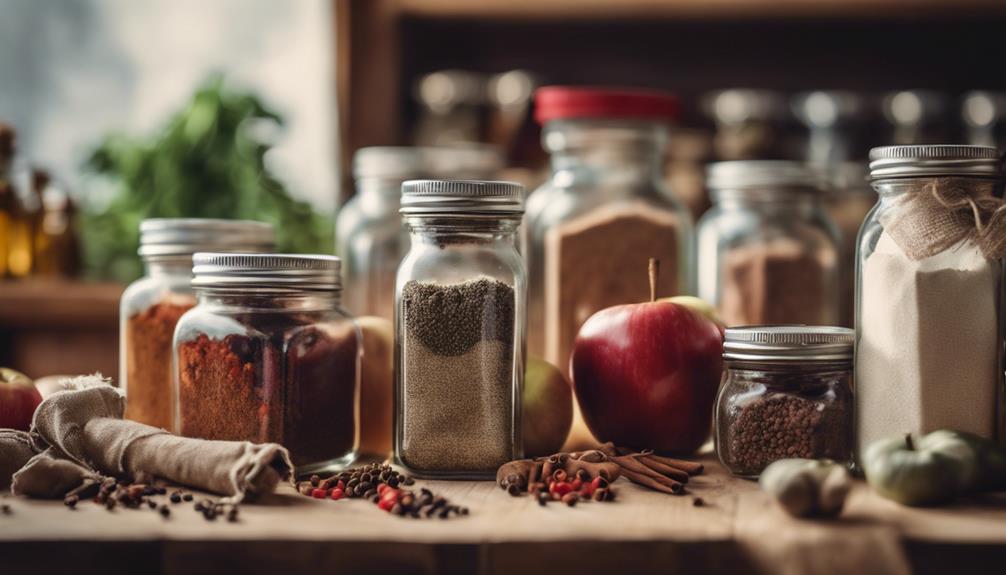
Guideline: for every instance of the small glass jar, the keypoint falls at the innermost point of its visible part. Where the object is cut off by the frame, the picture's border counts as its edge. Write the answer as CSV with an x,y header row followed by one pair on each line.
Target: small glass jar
x,y
150,307
370,238
604,212
768,252
459,329
268,355
786,392
929,313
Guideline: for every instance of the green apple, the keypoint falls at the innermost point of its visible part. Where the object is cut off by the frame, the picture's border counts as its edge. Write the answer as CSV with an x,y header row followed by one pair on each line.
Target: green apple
x,y
548,408
696,304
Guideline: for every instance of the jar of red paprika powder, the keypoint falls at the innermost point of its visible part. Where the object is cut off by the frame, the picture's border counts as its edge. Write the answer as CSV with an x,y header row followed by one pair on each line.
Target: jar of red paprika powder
x,y
269,355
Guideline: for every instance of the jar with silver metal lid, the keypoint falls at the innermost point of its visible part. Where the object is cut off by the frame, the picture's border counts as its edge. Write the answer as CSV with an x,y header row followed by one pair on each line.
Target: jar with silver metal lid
x,y
459,329
370,237
929,323
786,392
768,251
150,306
269,355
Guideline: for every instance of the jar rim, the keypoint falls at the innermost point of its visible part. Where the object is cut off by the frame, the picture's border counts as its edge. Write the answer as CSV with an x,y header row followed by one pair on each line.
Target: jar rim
x,y
789,344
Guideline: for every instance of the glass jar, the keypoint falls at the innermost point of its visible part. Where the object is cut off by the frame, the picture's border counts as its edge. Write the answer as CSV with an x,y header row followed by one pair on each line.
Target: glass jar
x,y
929,321
768,252
459,329
268,355
848,200
370,238
786,392
151,306
605,211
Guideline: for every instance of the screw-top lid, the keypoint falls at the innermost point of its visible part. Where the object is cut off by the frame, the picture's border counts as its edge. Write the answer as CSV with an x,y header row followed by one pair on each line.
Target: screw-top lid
x,y
740,174
186,236
789,343
266,271
934,160
462,197
562,102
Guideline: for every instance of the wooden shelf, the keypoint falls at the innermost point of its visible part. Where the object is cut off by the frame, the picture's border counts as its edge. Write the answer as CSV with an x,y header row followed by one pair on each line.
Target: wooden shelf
x,y
647,9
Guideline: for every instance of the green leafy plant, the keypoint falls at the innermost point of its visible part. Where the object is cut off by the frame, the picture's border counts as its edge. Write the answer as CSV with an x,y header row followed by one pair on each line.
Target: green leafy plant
x,y
205,163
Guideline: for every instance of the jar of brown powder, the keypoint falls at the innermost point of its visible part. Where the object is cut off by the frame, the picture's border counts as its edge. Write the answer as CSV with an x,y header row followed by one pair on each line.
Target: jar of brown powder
x,y
269,355
150,307
768,251
604,212
786,392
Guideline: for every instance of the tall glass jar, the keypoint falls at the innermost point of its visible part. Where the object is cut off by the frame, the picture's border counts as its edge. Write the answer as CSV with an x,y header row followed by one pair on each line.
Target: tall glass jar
x,y
604,212
929,323
269,355
459,329
849,199
786,392
151,306
370,238
768,252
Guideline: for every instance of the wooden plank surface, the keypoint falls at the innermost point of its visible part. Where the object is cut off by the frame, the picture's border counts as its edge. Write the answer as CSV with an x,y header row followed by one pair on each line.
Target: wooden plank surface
x,y
738,528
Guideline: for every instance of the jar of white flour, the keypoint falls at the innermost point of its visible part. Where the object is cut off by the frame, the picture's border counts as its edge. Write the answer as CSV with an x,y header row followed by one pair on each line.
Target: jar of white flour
x,y
929,327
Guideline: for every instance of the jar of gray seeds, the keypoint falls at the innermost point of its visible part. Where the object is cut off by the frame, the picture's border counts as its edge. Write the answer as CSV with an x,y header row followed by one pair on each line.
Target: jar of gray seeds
x,y
459,329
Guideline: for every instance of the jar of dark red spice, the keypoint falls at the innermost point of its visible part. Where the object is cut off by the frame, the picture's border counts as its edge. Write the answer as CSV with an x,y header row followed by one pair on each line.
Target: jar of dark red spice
x,y
268,355
151,306
786,392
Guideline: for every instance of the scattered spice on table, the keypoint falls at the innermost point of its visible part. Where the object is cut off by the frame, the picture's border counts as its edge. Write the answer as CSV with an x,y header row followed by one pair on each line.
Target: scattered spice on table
x,y
384,486
589,475
113,494
457,381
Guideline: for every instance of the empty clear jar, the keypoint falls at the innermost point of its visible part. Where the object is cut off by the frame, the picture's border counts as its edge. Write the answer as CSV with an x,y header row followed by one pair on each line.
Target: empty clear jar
x,y
459,329
604,212
786,392
370,237
768,252
269,355
151,306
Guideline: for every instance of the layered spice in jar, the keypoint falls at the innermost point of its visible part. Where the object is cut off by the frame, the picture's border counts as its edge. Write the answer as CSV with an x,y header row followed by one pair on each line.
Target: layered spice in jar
x,y
459,364
151,306
786,393
268,355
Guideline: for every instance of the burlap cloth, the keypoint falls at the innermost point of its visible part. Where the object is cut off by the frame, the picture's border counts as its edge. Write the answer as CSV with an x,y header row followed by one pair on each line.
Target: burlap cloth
x,y
944,214
78,435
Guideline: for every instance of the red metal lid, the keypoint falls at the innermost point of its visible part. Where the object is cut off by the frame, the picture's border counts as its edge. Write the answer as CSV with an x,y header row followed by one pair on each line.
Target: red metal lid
x,y
558,102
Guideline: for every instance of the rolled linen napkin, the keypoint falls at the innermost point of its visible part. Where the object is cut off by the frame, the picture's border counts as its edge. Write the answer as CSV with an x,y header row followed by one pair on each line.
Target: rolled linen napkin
x,y
79,434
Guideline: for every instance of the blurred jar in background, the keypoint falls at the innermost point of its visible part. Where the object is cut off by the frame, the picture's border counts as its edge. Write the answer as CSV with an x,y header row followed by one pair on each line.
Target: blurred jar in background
x,y
370,238
917,116
837,123
453,108
768,251
57,247
605,211
983,114
849,199
16,213
750,124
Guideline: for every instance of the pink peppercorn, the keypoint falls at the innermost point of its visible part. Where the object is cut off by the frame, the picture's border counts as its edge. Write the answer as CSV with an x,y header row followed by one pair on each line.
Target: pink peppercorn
x,y
338,493
318,493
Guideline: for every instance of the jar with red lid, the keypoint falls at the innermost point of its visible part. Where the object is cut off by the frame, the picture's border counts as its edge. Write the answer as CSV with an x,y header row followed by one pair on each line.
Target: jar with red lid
x,y
603,213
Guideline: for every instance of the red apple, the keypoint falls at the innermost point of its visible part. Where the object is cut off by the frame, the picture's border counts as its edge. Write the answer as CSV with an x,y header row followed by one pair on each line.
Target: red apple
x,y
18,399
646,375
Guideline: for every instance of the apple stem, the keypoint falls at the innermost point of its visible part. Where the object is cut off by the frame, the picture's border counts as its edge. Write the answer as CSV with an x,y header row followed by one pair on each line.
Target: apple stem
x,y
654,269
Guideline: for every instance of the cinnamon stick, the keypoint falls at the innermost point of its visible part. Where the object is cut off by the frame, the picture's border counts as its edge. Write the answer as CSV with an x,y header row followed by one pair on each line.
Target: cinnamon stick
x,y
689,467
670,487
665,470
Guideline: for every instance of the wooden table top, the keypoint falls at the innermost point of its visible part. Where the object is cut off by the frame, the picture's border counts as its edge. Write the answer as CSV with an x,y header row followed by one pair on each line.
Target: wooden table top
x,y
738,529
